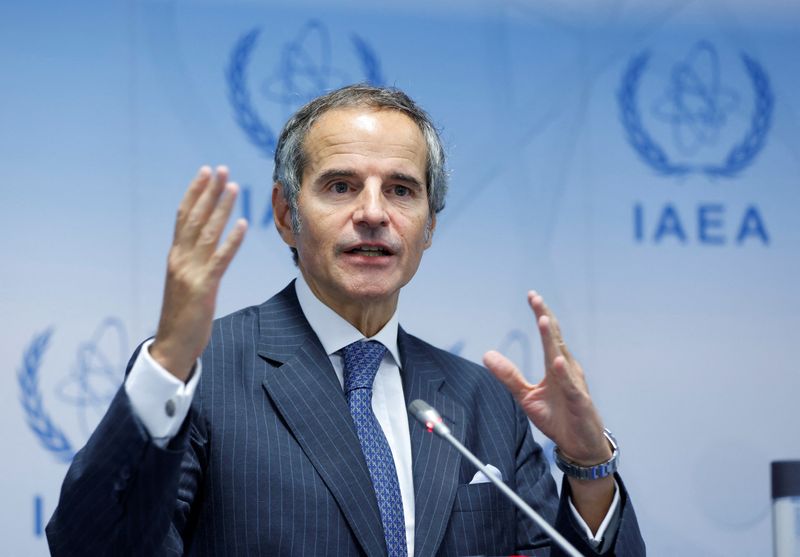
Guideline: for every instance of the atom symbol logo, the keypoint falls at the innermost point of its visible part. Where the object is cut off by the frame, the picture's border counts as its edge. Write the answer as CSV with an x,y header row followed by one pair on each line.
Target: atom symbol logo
x,y
696,103
96,374
304,71
93,380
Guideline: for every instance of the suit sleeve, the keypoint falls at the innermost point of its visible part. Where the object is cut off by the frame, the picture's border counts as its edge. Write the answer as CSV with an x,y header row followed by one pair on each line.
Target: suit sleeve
x,y
125,495
536,486
625,541
160,400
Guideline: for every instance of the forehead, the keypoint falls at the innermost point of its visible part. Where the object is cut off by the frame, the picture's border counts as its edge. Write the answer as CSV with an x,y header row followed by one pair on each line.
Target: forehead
x,y
366,139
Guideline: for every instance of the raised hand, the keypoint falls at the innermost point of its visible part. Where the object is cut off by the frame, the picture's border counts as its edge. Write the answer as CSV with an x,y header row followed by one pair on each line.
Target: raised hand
x,y
195,267
560,406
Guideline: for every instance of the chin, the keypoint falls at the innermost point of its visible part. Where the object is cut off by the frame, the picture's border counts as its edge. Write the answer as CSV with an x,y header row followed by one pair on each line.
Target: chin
x,y
371,292
370,289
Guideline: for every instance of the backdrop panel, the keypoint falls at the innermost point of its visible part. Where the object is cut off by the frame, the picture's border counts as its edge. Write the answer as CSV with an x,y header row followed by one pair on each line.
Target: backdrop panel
x,y
638,165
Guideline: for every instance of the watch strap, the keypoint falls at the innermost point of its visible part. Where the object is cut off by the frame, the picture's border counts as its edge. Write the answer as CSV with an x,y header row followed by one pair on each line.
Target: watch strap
x,y
595,472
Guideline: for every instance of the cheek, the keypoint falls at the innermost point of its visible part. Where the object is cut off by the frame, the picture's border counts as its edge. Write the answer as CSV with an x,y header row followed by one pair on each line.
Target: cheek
x,y
316,242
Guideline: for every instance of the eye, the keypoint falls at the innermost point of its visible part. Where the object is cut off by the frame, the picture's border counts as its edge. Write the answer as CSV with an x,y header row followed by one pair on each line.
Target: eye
x,y
401,191
340,187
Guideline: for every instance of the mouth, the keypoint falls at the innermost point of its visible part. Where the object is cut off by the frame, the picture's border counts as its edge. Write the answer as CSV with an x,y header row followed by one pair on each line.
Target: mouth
x,y
370,250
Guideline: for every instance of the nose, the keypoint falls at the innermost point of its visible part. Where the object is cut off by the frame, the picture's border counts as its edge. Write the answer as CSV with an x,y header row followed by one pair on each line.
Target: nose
x,y
371,210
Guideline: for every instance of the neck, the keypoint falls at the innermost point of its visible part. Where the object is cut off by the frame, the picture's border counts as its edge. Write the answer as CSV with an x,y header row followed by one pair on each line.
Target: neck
x,y
367,315
367,318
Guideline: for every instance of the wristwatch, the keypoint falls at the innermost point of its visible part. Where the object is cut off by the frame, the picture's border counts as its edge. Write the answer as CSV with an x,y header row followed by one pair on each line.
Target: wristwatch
x,y
595,472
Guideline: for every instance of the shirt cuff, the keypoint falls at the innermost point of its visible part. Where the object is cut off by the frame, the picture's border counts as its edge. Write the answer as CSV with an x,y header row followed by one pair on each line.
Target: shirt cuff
x,y
596,539
160,400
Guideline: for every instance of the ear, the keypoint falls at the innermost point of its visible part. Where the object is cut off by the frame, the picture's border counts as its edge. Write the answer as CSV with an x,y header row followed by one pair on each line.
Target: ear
x,y
282,215
430,226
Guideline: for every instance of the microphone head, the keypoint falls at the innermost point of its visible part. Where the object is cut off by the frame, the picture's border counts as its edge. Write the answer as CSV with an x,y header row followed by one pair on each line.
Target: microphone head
x,y
428,416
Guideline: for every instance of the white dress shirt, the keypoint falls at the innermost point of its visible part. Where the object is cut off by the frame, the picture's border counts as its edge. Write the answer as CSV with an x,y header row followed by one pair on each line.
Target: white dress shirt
x,y
387,390
161,401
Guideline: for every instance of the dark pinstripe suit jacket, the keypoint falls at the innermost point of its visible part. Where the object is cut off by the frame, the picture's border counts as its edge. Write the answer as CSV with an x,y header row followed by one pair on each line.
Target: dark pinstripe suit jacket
x,y
268,461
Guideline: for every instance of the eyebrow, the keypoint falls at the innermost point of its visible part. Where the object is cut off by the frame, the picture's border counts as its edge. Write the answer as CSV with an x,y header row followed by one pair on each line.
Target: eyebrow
x,y
406,178
335,173
343,173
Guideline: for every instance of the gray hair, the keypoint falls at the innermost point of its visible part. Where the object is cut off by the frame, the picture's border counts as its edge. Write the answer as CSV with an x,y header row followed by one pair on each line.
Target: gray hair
x,y
290,157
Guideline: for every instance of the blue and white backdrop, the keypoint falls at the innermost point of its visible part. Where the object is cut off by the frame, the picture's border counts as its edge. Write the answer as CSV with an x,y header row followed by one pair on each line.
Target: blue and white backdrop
x,y
636,163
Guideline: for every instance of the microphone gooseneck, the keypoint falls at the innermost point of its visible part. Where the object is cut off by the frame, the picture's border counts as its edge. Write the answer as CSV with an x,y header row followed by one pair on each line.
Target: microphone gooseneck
x,y
430,418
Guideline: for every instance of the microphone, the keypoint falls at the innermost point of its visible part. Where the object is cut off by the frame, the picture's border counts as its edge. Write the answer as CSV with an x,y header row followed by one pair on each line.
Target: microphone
x,y
428,415
430,418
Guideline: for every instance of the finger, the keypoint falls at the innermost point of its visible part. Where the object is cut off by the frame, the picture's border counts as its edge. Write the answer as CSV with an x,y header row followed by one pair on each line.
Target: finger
x,y
562,373
549,344
551,351
201,210
555,327
559,365
537,304
507,373
541,309
209,236
223,256
193,192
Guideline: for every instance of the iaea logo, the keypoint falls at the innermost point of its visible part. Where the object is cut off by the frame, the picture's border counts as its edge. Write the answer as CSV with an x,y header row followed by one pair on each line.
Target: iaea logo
x,y
695,111
305,69
94,377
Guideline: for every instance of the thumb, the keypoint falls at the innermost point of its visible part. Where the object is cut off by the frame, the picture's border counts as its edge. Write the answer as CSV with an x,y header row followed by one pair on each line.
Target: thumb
x,y
507,373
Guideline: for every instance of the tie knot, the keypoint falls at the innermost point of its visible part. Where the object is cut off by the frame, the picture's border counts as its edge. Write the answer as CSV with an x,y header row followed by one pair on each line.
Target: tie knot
x,y
361,363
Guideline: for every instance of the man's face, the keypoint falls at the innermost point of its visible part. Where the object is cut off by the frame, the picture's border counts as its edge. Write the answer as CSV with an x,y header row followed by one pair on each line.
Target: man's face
x,y
363,207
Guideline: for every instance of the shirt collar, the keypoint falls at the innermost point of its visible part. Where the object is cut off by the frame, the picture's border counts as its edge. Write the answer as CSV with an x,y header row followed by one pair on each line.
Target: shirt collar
x,y
333,331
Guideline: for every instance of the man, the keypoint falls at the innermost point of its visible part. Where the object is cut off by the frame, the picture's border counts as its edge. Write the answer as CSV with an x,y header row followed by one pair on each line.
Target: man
x,y
296,440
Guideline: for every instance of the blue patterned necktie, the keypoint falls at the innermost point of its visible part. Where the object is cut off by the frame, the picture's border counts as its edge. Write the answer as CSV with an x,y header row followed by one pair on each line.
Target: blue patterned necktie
x,y
361,362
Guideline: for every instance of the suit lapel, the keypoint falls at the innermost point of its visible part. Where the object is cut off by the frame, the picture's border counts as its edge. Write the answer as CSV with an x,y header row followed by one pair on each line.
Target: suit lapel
x,y
307,394
435,463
